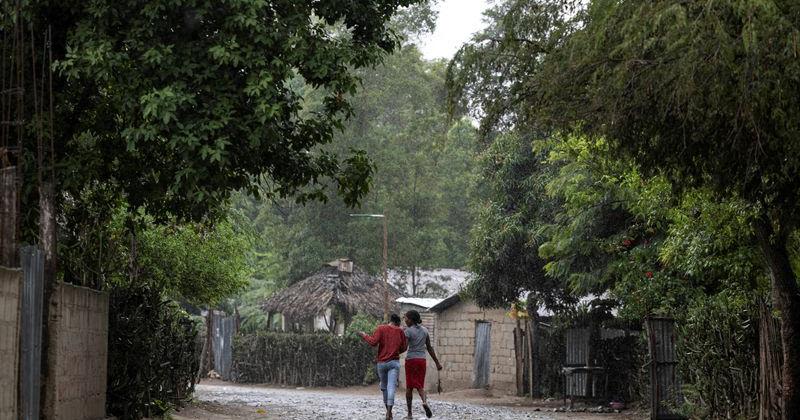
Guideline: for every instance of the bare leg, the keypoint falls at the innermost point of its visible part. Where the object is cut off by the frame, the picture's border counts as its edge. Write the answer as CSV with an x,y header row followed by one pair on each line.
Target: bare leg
x,y
424,396
409,398
388,412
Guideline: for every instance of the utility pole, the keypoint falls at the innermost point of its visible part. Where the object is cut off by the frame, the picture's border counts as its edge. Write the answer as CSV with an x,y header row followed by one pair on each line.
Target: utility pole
x,y
385,260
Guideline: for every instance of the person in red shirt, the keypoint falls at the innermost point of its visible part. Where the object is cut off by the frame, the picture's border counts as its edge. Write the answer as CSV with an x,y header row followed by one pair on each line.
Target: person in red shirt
x,y
391,341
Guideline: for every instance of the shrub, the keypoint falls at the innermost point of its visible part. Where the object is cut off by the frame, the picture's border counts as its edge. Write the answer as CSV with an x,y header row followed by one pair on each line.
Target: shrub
x,y
320,359
718,356
152,357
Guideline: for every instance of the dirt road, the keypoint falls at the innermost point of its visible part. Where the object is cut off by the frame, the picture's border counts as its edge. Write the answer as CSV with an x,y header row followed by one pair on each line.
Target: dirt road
x,y
219,401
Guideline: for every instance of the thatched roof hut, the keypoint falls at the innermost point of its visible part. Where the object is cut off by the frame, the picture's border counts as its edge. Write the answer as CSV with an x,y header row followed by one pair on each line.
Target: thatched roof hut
x,y
336,292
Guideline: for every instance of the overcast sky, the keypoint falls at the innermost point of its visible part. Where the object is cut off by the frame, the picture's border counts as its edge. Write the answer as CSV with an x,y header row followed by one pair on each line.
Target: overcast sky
x,y
458,20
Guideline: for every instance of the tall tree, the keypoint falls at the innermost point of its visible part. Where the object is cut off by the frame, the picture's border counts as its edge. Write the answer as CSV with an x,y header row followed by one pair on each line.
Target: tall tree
x,y
703,93
424,175
171,104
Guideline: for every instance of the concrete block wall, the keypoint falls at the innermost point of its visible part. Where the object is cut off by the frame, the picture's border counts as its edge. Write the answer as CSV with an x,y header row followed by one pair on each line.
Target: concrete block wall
x,y
77,354
10,297
455,344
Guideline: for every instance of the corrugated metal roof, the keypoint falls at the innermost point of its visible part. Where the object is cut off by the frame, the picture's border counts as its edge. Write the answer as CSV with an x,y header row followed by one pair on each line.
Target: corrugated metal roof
x,y
426,303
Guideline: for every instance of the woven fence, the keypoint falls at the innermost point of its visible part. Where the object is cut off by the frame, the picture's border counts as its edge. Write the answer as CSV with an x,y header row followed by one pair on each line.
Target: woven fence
x,y
302,360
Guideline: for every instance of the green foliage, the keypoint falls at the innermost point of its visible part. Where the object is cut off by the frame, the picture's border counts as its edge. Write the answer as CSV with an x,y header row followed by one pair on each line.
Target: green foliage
x,y
152,356
201,265
504,252
692,89
718,356
302,359
664,164
425,173
200,94
362,322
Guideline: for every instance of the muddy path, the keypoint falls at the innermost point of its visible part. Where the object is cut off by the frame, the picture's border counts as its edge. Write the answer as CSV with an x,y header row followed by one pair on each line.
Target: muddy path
x,y
220,400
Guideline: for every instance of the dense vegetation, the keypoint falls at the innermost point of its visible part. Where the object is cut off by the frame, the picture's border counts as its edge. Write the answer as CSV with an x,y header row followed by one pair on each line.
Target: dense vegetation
x,y
152,353
645,152
161,110
645,149
425,181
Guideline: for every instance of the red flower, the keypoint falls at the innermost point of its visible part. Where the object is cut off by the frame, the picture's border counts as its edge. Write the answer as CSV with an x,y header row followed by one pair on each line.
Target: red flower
x,y
649,274
627,242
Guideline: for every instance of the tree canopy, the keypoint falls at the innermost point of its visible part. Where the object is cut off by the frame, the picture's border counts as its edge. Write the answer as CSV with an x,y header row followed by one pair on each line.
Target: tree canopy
x,y
425,176
171,105
697,97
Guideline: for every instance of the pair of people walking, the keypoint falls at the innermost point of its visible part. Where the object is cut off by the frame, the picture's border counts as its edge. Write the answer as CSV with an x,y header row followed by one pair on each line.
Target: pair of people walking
x,y
392,341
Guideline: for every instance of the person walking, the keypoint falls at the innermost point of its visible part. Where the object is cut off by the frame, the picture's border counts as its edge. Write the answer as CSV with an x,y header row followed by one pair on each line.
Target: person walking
x,y
391,341
418,342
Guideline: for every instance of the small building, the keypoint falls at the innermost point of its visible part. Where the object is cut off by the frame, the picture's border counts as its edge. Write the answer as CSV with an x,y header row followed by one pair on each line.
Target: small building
x,y
328,299
476,346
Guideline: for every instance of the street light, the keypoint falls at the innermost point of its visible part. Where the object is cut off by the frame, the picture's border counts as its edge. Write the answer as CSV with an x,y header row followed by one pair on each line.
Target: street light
x,y
385,258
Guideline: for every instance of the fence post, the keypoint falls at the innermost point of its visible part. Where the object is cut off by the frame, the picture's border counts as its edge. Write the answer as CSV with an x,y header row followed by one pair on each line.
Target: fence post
x,y
520,360
30,360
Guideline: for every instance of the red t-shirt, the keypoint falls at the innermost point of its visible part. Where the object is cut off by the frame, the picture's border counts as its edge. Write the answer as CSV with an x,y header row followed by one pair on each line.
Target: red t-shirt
x,y
391,341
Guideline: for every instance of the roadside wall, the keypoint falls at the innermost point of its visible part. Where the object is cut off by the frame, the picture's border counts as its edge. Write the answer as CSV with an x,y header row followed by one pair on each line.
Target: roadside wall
x,y
10,293
455,345
77,354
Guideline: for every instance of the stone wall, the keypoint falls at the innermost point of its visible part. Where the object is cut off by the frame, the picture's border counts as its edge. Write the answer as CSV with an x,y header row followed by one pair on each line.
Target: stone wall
x,y
455,345
77,354
10,296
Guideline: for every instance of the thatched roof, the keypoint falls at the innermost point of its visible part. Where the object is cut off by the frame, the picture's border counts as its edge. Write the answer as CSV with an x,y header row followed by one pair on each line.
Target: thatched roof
x,y
351,291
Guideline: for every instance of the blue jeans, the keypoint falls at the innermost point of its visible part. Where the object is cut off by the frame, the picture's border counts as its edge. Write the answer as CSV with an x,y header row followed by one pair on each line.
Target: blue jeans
x,y
388,372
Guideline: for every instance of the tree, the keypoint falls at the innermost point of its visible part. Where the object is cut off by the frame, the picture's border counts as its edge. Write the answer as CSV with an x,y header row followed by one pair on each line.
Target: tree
x,y
702,94
424,175
705,94
504,249
171,105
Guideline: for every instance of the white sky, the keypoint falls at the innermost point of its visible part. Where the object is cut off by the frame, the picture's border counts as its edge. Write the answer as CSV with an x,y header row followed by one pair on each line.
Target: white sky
x,y
458,20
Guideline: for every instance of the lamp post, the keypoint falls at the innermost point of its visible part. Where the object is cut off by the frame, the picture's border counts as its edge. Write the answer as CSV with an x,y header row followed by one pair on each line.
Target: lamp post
x,y
385,258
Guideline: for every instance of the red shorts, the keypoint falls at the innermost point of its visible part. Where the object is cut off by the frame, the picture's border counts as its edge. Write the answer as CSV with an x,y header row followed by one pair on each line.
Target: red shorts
x,y
415,373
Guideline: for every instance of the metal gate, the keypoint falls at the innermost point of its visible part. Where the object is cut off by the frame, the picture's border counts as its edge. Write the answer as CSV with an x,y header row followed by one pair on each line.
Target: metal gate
x,y
483,342
222,344
664,381
30,334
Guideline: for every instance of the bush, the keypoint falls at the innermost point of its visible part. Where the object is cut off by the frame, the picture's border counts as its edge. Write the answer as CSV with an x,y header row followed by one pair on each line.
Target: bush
x,y
718,356
152,357
622,357
292,359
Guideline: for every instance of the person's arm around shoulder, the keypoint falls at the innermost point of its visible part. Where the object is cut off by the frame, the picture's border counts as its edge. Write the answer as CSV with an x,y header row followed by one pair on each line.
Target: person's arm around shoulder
x,y
432,352
373,339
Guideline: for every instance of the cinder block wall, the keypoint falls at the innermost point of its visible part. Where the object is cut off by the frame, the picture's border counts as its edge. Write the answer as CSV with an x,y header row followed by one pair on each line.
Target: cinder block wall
x,y
10,296
455,338
77,354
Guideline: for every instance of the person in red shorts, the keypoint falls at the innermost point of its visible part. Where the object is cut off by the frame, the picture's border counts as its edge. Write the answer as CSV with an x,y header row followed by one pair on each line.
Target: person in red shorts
x,y
391,341
418,343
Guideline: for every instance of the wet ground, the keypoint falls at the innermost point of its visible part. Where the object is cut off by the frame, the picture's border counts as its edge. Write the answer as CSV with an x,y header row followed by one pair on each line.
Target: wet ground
x,y
218,400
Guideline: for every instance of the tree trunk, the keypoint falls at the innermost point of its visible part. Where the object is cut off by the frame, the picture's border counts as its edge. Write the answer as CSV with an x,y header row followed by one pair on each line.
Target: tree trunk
x,y
786,299
519,349
413,280
534,373
8,217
